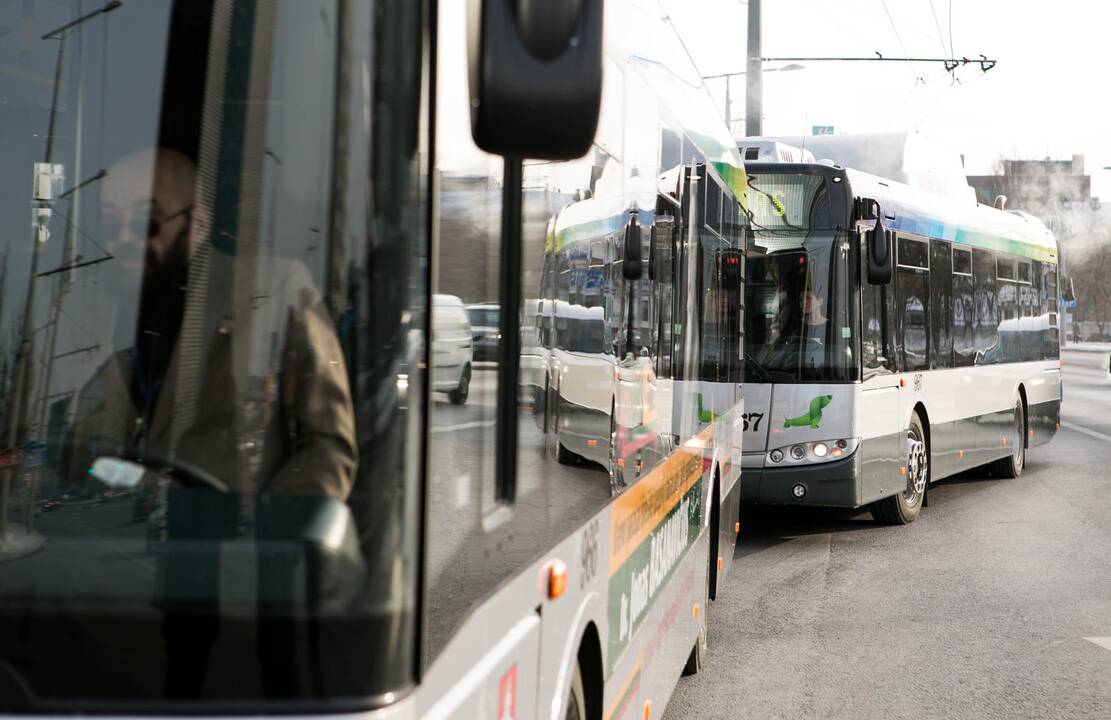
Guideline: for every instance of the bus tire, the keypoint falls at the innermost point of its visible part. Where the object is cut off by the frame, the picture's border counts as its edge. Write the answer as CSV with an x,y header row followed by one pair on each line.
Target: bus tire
x,y
576,697
458,396
903,508
616,471
1011,466
565,456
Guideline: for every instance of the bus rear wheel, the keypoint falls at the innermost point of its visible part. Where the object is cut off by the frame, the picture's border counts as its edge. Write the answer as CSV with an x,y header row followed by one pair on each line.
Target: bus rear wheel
x,y
576,697
1011,466
903,508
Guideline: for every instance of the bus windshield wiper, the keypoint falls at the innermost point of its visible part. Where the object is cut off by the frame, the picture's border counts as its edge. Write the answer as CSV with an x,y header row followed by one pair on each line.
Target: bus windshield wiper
x,y
760,369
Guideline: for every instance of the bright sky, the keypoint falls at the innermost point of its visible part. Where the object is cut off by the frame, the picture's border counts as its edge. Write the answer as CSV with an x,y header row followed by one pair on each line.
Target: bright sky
x,y
1049,95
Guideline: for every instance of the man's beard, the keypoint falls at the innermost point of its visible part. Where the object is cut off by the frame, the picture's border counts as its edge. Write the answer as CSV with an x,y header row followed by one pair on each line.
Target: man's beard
x,y
162,297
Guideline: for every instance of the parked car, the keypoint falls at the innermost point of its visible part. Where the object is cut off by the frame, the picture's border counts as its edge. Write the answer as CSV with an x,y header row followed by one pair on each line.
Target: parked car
x,y
452,348
485,328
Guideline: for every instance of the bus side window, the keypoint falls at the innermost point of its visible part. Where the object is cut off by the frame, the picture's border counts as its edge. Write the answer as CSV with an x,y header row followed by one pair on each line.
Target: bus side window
x,y
912,285
986,319
663,273
1051,338
872,335
964,312
941,305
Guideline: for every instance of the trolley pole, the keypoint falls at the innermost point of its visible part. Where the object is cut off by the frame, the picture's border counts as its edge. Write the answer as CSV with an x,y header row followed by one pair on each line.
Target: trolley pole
x,y
754,99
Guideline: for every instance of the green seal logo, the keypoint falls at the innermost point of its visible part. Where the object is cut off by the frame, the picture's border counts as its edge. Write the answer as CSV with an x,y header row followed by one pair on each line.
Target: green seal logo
x,y
811,418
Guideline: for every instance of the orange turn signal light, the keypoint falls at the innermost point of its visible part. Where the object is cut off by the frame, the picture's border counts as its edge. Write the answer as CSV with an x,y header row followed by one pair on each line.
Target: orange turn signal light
x,y
647,710
721,562
736,527
556,578
903,470
902,382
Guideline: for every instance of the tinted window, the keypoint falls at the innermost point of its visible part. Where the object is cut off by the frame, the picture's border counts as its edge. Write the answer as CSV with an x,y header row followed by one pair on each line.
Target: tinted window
x,y
484,317
962,261
1023,271
941,305
1052,340
225,390
964,317
986,318
713,204
1006,267
874,345
912,305
913,253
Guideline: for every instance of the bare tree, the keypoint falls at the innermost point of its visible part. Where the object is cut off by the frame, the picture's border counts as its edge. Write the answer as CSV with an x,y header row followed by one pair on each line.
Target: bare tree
x,y
1092,284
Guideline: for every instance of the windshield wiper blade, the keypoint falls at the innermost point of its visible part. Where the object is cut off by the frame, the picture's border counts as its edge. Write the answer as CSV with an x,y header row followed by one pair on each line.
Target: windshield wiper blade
x,y
760,369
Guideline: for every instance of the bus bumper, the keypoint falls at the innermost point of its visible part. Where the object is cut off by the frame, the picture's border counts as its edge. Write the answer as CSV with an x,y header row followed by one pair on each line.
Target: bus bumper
x,y
832,484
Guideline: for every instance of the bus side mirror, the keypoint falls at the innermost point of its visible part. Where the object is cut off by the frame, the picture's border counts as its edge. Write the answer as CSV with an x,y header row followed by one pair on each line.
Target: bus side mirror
x,y
879,255
632,268
535,76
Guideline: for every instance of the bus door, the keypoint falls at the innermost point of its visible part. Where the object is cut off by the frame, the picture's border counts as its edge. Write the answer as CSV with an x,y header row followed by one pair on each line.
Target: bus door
x,y
879,424
687,315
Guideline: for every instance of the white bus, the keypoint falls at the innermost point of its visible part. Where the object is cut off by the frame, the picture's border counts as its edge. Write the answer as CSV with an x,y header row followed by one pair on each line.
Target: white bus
x,y
274,485
872,376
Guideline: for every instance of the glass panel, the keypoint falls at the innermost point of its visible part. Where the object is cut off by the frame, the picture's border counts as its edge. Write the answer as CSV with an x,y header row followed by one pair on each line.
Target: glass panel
x,y
462,485
1052,346
986,312
202,377
941,305
799,324
912,318
1005,267
964,314
713,205
789,201
913,253
962,262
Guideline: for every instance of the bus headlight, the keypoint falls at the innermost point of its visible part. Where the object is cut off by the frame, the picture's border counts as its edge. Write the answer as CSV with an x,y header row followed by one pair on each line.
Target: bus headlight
x,y
819,451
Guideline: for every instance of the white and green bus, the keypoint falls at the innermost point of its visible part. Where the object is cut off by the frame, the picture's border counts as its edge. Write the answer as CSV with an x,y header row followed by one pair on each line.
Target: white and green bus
x,y
243,473
895,336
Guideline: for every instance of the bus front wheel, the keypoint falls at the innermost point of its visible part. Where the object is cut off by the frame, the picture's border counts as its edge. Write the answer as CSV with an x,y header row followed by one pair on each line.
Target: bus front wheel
x,y
576,697
1011,466
904,507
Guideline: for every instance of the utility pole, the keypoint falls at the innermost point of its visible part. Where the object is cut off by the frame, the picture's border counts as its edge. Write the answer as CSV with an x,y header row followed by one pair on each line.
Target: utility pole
x,y
754,98
47,179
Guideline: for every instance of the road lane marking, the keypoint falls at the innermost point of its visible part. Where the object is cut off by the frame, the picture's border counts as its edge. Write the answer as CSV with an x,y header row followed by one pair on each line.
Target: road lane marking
x,y
468,426
1086,431
1103,642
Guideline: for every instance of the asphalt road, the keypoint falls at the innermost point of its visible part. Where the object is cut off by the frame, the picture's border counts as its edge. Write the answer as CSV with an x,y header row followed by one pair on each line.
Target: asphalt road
x,y
996,603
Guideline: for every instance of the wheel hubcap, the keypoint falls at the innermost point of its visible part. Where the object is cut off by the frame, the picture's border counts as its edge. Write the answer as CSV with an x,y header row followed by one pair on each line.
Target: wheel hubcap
x,y
1016,451
917,466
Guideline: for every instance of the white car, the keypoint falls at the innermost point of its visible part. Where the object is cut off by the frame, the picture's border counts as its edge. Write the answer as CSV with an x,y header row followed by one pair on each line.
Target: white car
x,y
452,348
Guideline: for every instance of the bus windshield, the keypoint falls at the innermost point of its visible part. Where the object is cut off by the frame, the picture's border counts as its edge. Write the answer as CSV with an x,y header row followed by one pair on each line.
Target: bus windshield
x,y
799,323
204,498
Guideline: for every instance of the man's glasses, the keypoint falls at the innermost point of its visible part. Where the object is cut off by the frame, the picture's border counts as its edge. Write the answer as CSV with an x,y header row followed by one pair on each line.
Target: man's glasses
x,y
148,226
